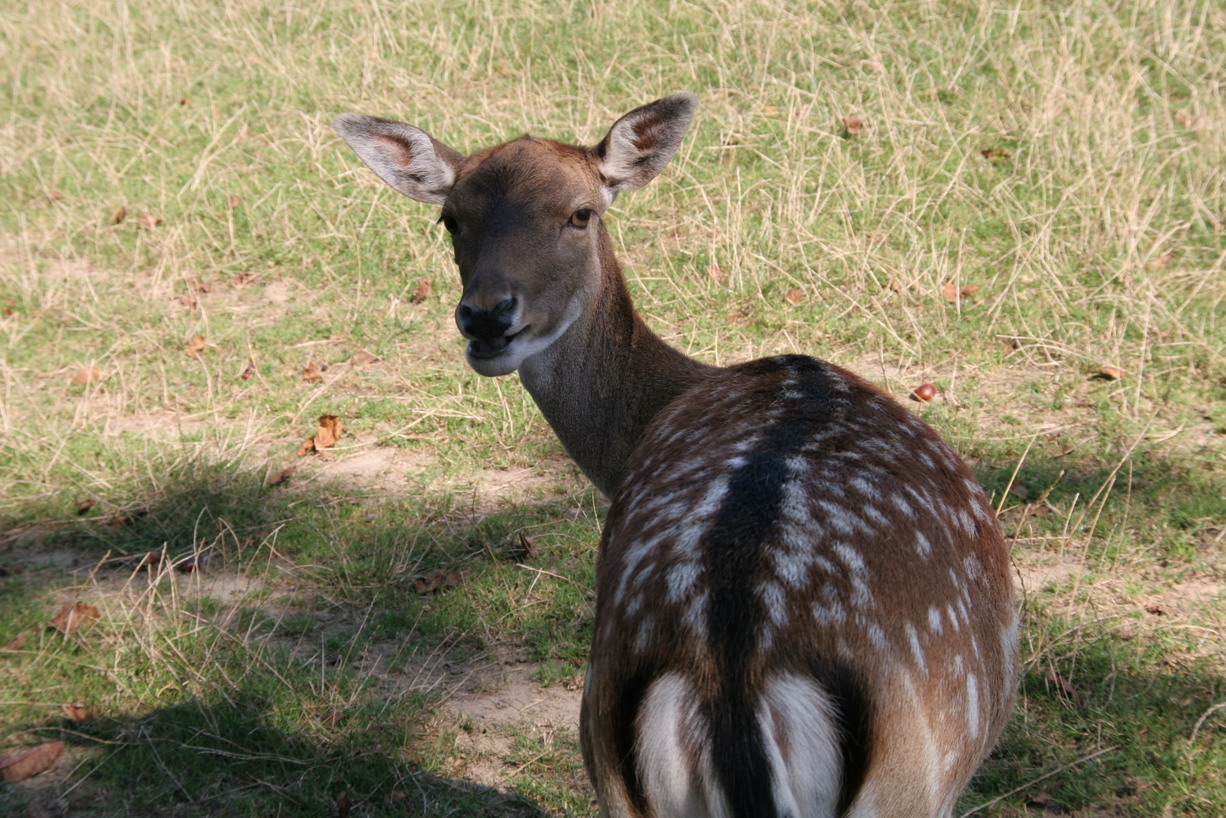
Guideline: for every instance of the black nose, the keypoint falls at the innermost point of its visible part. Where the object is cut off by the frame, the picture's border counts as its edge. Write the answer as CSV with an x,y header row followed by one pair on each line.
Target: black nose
x,y
491,323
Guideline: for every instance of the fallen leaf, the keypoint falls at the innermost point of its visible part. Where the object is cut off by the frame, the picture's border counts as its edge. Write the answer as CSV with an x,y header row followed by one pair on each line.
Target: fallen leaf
x,y
312,373
248,372
1159,262
149,221
770,109
83,506
119,215
8,307
423,291
1156,610
794,296
195,346
1063,688
924,392
77,712
994,153
87,375
283,476
436,580
894,285
190,301
852,126
363,358
202,286
872,65
716,273
234,201
968,290
329,431
1110,373
17,643
1185,118
20,765
55,195
73,615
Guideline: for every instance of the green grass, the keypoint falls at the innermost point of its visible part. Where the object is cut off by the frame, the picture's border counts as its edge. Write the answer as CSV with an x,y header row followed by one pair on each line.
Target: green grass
x,y
1065,159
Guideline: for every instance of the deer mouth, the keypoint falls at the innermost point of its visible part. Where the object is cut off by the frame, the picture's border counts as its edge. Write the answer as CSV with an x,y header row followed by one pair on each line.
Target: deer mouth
x,y
485,348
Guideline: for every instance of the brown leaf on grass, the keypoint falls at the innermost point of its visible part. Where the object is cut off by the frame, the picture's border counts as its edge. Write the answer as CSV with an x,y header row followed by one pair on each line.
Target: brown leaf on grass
x,y
22,764
86,375
894,285
234,201
202,286
328,433
1155,609
953,293
77,712
794,297
195,346
55,195
994,153
968,290
119,215
16,643
313,373
717,273
149,221
1109,373
1159,262
248,372
8,307
73,616
283,476
852,126
83,506
872,65
1064,689
423,291
364,358
436,581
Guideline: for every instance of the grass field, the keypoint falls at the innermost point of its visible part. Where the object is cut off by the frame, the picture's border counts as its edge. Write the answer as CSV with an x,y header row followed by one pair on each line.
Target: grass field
x,y
1022,204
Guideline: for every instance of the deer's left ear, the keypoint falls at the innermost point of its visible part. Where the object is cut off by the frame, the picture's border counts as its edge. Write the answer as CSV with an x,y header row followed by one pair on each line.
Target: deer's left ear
x,y
639,145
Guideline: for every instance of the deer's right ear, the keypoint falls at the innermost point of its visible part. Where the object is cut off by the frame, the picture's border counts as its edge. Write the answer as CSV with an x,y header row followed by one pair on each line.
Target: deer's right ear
x,y
407,158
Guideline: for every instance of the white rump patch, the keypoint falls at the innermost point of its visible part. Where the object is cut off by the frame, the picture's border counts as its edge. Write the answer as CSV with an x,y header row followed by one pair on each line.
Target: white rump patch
x,y
805,780
670,730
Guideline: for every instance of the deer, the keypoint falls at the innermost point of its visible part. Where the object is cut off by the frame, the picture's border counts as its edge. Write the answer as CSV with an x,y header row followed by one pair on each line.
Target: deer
x,y
803,598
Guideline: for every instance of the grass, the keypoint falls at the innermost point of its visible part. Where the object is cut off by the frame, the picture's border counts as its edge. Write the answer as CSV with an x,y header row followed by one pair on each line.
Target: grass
x,y
1065,160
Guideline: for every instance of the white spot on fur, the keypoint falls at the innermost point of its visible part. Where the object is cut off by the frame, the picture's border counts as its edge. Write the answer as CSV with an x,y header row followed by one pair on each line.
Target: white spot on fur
x,y
972,705
917,650
681,580
922,546
934,621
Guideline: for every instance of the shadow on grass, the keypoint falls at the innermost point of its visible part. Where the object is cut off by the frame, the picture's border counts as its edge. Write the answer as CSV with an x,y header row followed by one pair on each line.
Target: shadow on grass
x,y
259,726
1110,723
226,757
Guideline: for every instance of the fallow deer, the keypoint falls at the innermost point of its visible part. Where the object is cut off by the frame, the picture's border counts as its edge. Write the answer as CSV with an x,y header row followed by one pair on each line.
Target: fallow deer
x,y
803,602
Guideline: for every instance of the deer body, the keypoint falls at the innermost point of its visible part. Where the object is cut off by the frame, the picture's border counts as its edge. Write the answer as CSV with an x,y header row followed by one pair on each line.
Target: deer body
x,y
803,598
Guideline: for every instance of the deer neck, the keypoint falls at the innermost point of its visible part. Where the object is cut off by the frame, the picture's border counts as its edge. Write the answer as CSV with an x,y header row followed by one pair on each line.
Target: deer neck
x,y
603,381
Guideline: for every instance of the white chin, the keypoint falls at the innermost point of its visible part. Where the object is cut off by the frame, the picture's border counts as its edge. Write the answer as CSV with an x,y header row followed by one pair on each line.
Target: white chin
x,y
504,364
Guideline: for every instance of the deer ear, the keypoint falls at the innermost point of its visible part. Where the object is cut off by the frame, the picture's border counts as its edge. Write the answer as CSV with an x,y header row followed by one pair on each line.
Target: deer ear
x,y
407,158
639,145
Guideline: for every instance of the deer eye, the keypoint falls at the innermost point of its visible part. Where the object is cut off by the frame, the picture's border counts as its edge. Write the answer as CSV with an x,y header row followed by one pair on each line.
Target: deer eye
x,y
449,223
581,218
